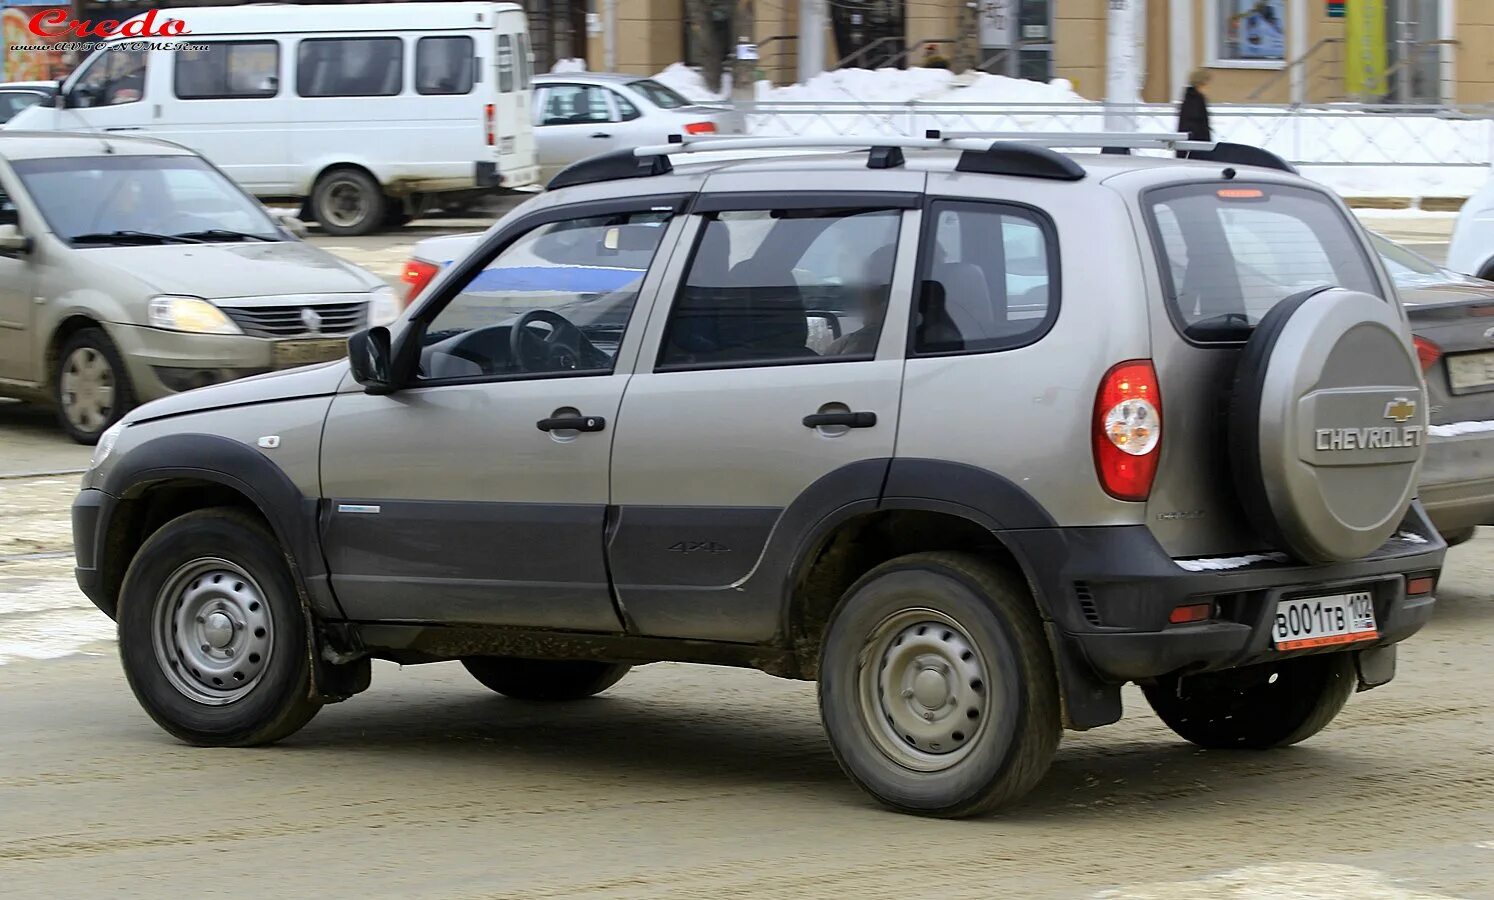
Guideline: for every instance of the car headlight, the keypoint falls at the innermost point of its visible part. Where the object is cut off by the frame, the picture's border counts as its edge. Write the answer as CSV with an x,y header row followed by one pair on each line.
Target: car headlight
x,y
189,314
105,445
383,305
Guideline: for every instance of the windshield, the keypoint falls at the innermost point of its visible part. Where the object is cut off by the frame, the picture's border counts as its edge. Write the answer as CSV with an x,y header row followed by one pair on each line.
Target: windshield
x,y
1231,252
141,199
658,94
1402,262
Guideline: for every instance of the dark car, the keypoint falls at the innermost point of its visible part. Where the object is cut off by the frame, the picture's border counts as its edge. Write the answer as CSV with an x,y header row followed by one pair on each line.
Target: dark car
x,y
18,95
1452,318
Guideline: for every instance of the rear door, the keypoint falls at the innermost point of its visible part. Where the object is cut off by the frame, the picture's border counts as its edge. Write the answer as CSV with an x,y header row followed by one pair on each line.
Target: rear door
x,y
745,402
513,76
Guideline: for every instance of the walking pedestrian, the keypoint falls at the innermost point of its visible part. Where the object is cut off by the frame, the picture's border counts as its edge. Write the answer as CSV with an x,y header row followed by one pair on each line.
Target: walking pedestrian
x,y
1193,115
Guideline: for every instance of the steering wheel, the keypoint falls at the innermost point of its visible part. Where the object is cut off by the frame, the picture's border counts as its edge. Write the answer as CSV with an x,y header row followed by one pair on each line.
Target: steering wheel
x,y
565,347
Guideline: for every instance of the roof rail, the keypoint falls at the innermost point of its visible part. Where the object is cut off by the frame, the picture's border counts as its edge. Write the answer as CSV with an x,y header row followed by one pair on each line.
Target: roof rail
x,y
1244,155
1119,140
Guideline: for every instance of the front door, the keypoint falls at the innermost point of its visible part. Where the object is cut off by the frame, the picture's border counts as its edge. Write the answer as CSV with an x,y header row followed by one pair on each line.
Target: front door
x,y
575,121
478,493
17,310
766,398
113,93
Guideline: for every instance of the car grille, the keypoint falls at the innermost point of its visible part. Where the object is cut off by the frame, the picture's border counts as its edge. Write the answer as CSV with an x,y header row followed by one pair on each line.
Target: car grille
x,y
291,321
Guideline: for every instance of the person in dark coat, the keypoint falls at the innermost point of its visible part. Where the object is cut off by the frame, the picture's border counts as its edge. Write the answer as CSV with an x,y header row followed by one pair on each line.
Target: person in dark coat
x,y
1193,116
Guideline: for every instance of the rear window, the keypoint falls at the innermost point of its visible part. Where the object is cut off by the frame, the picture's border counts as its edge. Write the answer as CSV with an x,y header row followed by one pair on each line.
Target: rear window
x,y
1232,251
658,94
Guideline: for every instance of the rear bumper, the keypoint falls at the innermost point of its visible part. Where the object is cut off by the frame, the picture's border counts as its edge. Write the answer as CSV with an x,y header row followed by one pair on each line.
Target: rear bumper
x,y
1109,592
1456,487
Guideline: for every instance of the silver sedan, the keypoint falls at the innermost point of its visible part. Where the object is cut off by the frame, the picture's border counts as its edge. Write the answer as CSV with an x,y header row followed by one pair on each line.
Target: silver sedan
x,y
581,114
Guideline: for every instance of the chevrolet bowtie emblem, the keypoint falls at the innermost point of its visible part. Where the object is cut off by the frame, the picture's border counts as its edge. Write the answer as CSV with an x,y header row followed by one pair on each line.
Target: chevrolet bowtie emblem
x,y
1400,409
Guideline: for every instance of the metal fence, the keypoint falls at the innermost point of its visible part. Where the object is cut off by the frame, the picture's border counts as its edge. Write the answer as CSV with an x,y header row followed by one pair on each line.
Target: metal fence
x,y
1316,136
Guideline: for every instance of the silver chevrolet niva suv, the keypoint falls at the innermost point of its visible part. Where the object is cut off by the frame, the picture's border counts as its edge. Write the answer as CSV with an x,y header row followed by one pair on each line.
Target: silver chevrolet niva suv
x,y
969,431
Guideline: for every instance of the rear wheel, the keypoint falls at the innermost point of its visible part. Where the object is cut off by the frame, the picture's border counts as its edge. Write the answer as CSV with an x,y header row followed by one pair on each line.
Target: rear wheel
x,y
93,388
348,202
1257,707
544,679
937,688
212,634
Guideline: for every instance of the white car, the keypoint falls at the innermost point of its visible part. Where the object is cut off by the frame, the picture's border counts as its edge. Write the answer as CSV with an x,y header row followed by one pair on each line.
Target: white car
x,y
581,114
1472,250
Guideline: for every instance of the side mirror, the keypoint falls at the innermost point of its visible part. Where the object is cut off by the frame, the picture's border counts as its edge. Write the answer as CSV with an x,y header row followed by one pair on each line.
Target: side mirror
x,y
294,225
13,241
370,358
824,329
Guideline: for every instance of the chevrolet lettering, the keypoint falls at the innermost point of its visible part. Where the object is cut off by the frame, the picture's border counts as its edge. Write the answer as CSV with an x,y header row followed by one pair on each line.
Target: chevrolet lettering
x,y
1369,438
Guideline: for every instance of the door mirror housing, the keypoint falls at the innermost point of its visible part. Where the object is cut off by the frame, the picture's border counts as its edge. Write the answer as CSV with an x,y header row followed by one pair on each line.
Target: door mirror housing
x,y
13,241
371,360
824,329
294,225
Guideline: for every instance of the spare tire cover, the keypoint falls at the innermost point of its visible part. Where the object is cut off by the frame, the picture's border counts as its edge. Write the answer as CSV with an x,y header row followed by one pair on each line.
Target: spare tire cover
x,y
1327,424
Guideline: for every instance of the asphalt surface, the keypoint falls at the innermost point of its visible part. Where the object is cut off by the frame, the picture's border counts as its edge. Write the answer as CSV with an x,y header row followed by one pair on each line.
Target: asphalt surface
x,y
690,781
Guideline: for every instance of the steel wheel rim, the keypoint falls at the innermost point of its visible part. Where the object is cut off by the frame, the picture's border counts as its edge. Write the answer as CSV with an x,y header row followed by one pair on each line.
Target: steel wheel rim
x,y
346,204
924,691
212,633
87,386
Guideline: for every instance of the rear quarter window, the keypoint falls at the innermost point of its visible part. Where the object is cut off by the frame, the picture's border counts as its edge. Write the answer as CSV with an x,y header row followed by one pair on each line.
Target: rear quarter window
x,y
1230,252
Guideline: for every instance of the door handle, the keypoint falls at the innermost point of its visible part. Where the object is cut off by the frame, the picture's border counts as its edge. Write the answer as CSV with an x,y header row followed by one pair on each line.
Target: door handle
x,y
572,423
601,134
848,419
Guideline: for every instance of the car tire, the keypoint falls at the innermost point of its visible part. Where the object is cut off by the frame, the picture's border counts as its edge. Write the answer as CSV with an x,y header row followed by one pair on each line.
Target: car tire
x,y
1257,707
212,633
348,202
91,386
544,679
962,663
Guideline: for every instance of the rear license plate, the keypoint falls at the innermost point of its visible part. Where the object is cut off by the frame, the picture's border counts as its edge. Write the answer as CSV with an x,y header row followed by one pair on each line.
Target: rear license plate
x,y
1470,371
302,353
1323,621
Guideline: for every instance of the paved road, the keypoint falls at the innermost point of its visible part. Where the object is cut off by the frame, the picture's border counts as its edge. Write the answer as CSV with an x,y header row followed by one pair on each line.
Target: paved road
x,y
687,781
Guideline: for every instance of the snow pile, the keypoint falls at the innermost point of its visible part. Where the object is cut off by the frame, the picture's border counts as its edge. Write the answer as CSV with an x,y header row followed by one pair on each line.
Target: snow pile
x,y
918,84
1456,429
1220,563
569,65
688,83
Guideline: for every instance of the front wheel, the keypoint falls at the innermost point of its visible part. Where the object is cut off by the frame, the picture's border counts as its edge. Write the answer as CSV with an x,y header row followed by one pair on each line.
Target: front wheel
x,y
93,388
1258,707
544,679
212,634
348,202
937,687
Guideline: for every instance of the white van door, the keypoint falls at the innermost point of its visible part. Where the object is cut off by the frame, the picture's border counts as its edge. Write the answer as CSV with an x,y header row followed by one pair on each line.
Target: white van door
x,y
514,70
111,92
231,103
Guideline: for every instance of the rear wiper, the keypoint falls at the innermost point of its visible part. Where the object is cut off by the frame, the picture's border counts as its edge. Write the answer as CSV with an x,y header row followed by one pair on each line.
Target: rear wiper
x,y
1221,327
219,234
116,237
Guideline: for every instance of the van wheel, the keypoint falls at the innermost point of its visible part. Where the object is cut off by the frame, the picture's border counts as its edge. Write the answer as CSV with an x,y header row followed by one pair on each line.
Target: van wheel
x,y
212,634
937,687
1257,707
348,202
544,679
92,387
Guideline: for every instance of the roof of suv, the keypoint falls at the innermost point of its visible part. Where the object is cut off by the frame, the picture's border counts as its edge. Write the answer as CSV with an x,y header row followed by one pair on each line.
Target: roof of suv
x,y
50,144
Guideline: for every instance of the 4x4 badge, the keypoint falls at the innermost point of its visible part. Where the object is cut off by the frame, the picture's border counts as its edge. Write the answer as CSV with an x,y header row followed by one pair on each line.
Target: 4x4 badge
x,y
1400,409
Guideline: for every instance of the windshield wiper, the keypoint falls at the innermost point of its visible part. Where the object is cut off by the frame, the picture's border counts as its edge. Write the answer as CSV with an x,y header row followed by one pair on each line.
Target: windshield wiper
x,y
219,234
117,237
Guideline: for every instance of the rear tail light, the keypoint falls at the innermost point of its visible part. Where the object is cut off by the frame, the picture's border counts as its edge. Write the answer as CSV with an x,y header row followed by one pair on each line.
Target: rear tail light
x,y
1128,430
415,276
1191,612
701,128
490,122
1427,352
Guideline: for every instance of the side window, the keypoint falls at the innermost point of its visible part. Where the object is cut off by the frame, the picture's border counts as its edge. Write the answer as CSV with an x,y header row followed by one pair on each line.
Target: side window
x,y
114,77
350,67
988,279
525,62
242,69
505,63
444,65
748,298
626,111
575,104
556,301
